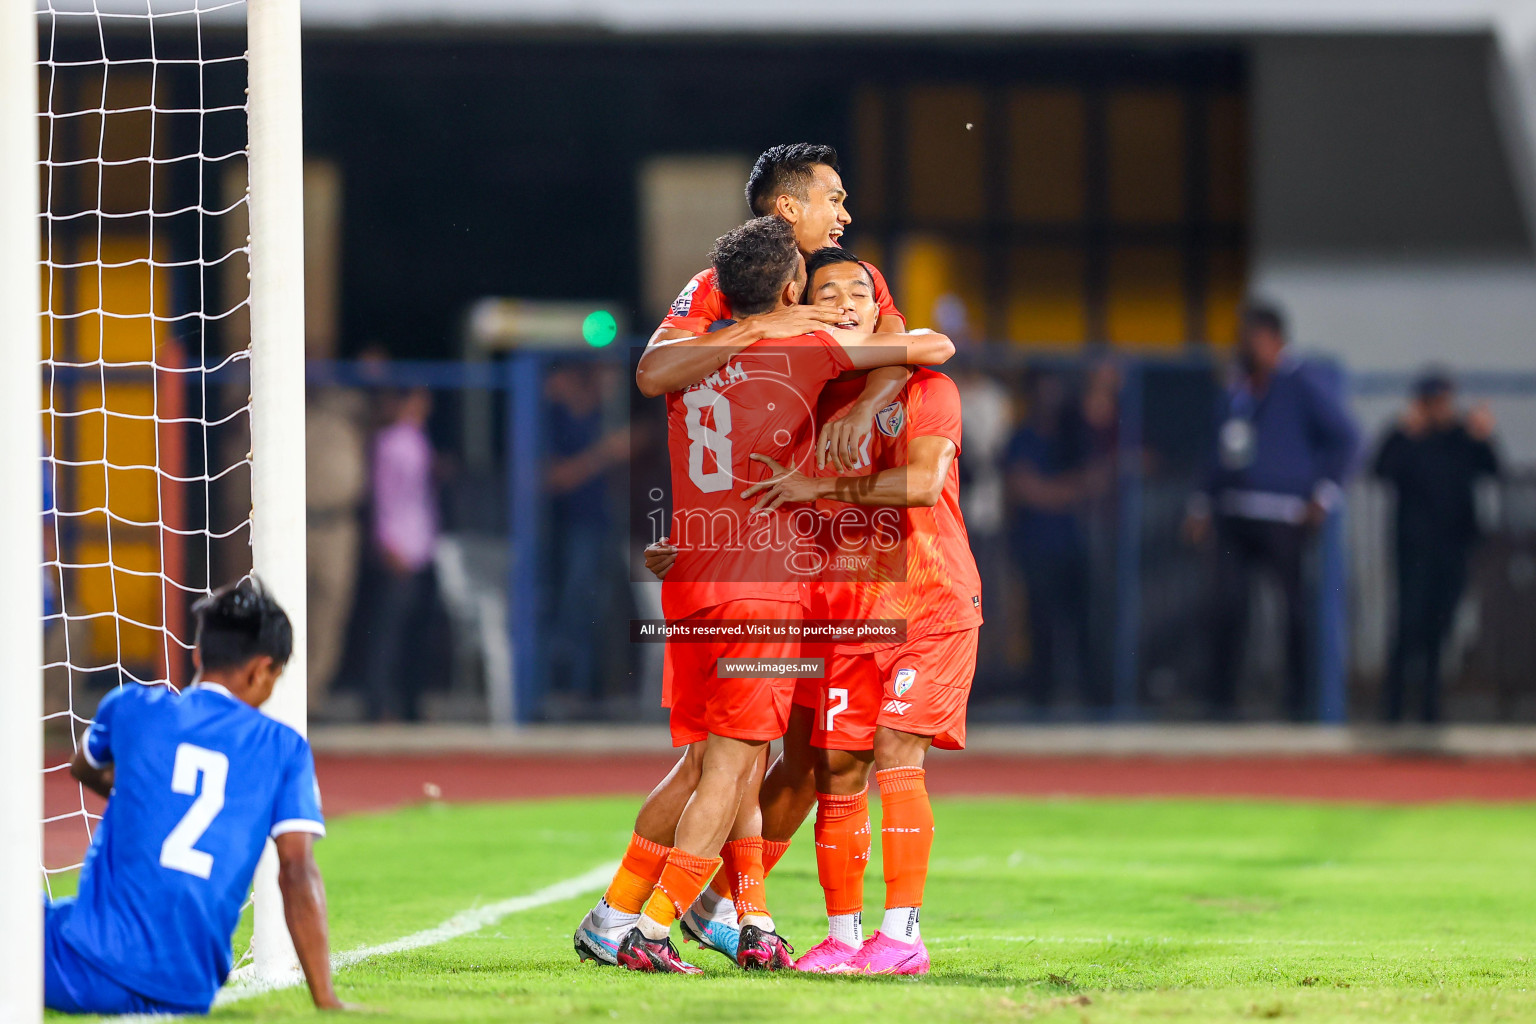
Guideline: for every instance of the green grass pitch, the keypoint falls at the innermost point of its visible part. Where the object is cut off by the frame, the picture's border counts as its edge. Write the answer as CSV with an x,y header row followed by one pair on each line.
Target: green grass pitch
x,y
1065,910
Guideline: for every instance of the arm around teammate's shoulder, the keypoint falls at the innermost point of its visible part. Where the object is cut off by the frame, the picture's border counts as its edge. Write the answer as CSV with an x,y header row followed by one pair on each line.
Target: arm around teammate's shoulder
x,y
674,359
868,350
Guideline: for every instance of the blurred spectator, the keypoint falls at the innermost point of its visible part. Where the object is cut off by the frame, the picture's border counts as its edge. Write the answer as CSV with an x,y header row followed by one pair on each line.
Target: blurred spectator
x,y
983,487
1099,413
1284,443
336,432
584,565
1433,458
404,534
1051,476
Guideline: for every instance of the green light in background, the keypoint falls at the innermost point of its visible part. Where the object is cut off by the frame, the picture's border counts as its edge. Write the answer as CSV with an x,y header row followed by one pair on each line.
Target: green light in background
x,y
599,328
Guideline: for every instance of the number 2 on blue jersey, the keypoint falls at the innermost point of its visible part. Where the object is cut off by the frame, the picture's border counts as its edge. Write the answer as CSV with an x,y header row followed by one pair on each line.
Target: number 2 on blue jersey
x,y
177,852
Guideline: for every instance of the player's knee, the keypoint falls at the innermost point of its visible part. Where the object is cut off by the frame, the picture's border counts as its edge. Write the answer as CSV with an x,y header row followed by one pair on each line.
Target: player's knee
x,y
690,766
895,749
850,773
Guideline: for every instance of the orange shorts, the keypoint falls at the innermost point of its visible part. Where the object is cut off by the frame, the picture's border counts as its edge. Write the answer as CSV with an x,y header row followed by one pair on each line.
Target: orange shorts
x,y
919,687
808,691
739,708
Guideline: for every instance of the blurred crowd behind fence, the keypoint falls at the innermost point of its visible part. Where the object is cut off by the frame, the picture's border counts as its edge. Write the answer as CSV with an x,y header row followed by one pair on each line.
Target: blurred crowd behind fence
x,y
484,562
1097,608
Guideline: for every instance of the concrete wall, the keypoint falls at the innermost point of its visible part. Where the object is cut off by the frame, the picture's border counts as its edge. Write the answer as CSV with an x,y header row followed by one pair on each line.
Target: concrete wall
x,y
1384,214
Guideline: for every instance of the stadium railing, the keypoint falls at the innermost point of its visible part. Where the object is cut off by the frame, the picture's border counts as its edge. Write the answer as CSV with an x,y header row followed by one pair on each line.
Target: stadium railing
x,y
1146,610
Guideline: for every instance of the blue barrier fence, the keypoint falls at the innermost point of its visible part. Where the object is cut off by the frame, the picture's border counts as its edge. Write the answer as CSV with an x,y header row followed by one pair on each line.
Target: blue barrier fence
x,y
519,380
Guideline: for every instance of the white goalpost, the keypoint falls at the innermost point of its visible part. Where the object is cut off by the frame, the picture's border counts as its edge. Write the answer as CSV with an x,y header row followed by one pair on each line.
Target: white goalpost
x,y
277,387
151,254
21,550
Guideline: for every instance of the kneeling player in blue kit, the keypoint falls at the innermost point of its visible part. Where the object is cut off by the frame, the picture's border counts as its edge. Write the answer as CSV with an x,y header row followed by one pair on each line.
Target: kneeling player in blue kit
x,y
196,782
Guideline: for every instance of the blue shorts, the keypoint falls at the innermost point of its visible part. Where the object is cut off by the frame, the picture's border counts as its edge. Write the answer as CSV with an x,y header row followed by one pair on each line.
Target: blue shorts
x,y
72,985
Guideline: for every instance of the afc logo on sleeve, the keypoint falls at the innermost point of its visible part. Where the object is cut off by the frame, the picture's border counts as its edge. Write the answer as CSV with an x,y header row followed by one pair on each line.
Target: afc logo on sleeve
x,y
684,300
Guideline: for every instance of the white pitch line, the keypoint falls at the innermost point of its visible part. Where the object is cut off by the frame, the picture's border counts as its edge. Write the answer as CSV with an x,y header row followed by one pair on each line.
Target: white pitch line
x,y
243,984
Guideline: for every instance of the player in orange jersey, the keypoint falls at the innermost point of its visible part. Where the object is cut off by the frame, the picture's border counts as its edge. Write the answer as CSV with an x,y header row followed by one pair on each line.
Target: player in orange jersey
x,y
737,568
907,464
800,184
897,698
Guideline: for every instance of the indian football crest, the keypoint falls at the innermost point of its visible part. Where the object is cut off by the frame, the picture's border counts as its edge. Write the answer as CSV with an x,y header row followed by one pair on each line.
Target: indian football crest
x,y
891,419
906,678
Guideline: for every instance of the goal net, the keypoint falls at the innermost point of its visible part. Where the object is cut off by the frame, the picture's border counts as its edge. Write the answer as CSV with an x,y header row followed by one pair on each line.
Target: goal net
x,y
146,332
168,359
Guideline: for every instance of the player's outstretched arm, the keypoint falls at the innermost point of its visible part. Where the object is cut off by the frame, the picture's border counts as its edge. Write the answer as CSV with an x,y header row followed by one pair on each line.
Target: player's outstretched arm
x,y
97,780
304,908
869,350
674,359
918,484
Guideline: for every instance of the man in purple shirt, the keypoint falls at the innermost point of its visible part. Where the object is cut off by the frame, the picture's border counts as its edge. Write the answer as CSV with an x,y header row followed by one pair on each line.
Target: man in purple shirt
x,y
404,535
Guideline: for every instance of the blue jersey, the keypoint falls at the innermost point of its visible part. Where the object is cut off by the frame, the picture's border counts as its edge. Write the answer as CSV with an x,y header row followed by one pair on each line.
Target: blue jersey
x,y
202,779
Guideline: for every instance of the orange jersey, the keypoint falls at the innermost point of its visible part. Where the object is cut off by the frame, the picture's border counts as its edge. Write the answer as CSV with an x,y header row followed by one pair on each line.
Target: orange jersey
x,y
928,576
701,302
762,401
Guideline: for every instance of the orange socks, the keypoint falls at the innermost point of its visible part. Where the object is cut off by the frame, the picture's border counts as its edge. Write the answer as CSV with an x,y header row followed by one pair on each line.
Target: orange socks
x,y
773,852
906,834
682,879
637,874
842,850
744,864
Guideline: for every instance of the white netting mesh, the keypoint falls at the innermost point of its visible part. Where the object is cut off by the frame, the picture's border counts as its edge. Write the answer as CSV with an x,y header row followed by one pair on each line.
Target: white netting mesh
x,y
145,331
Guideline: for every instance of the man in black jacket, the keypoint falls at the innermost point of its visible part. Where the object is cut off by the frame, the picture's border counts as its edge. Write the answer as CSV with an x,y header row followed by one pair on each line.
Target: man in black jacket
x,y
1433,458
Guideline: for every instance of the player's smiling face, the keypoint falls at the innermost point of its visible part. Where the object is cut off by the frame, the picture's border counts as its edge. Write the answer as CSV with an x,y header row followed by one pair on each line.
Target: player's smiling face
x,y
847,286
822,216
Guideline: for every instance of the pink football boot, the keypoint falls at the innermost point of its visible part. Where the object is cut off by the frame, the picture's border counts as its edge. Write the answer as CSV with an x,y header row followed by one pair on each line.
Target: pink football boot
x,y
880,955
825,955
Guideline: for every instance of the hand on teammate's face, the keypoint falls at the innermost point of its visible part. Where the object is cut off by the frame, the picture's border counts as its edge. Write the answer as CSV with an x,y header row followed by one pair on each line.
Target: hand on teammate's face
x,y
793,321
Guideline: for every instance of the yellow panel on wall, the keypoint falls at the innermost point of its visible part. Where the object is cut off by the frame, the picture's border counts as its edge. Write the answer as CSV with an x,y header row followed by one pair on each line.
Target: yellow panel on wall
x,y
933,267
105,433
1145,303
945,178
1047,155
1144,132
1225,285
1047,295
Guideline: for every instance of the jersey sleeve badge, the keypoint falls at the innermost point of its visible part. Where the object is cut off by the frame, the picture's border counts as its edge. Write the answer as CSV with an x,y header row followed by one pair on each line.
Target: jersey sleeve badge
x,y
891,419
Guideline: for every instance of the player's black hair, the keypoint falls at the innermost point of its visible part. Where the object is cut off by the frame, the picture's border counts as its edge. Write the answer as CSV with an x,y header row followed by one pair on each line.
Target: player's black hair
x,y
826,256
754,262
785,170
239,622
1265,316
